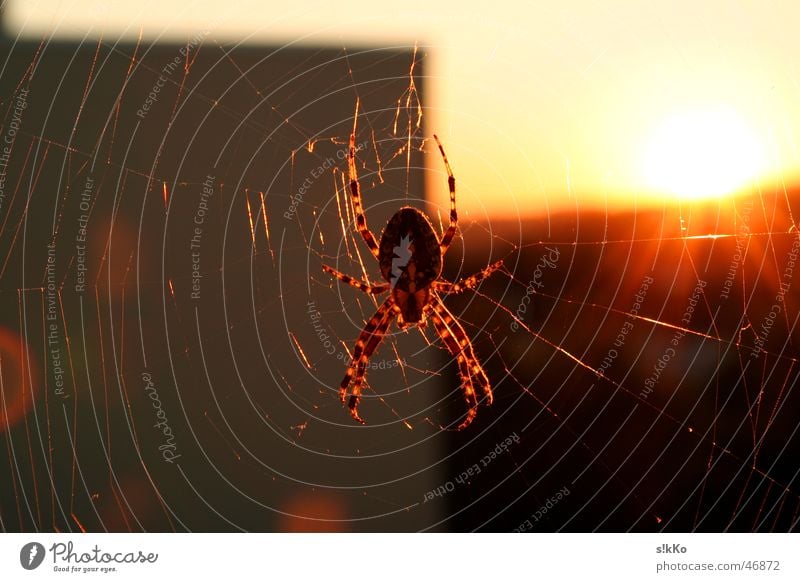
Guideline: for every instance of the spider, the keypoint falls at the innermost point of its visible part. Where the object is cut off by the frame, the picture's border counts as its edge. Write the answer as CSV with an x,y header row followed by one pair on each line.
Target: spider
x,y
410,255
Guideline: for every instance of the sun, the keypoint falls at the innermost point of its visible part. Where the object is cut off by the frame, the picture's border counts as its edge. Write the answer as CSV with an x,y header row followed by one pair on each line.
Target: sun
x,y
702,154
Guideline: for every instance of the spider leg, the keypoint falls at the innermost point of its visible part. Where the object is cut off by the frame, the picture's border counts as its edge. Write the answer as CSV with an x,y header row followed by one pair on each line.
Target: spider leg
x,y
447,238
459,345
463,368
461,336
365,287
355,191
467,283
368,341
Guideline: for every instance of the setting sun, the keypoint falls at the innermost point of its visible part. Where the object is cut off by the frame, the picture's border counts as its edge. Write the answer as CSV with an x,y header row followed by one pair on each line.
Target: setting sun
x,y
701,154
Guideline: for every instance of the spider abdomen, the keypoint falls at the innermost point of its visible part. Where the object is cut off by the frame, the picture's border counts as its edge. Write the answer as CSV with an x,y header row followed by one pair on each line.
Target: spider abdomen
x,y
410,255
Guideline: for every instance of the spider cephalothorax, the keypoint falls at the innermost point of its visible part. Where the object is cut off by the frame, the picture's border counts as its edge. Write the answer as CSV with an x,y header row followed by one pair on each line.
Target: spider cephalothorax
x,y
410,256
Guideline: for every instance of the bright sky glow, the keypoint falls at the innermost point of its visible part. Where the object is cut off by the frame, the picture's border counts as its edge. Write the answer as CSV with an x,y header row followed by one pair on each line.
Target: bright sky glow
x,y
544,104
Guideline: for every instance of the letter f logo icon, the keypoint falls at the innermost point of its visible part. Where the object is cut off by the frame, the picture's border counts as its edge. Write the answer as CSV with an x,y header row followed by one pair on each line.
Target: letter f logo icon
x,y
31,555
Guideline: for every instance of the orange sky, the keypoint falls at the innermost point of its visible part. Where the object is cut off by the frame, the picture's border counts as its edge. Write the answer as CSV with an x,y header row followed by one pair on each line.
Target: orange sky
x,y
544,105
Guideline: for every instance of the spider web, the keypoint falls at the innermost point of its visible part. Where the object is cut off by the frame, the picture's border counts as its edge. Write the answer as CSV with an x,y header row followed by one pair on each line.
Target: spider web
x,y
171,347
